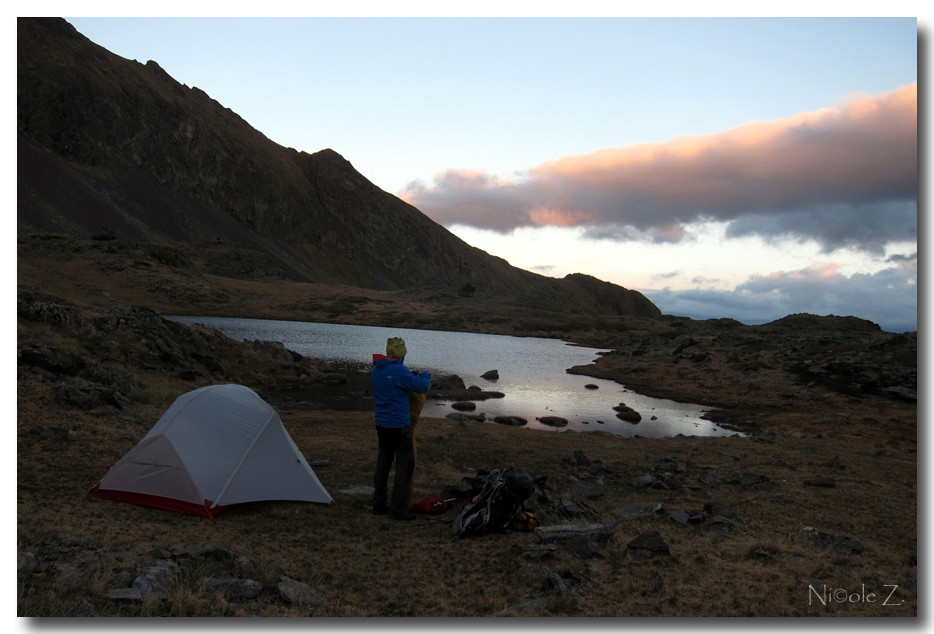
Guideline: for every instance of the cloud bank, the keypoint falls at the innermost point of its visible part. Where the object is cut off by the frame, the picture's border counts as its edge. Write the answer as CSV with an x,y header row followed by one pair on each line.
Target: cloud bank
x,y
845,176
887,297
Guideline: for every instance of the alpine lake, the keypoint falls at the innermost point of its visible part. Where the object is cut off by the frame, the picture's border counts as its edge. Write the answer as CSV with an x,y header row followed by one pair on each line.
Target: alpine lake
x,y
532,375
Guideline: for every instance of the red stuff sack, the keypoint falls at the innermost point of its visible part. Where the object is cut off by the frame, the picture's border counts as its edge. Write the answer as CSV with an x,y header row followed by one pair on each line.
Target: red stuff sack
x,y
431,505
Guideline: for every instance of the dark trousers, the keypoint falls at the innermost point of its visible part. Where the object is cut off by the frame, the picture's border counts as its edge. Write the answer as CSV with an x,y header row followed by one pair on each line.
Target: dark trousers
x,y
394,444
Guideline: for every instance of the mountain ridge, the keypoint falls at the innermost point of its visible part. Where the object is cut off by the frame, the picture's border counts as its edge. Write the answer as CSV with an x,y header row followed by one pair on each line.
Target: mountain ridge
x,y
111,146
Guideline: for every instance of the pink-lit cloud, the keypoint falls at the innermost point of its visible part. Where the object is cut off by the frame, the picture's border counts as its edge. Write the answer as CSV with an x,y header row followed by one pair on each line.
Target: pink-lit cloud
x,y
846,176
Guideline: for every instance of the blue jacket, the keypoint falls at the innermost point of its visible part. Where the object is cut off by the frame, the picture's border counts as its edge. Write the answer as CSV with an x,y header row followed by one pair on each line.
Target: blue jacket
x,y
392,383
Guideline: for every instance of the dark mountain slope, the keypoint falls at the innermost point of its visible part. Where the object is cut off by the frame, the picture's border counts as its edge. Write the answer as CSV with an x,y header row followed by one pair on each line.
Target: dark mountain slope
x,y
111,146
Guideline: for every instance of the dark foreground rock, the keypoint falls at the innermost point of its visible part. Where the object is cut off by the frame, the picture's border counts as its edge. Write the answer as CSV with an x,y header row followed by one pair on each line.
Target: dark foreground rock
x,y
156,576
647,546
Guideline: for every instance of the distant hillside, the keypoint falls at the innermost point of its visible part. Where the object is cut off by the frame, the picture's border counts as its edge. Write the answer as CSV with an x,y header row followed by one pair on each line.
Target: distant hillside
x,y
115,148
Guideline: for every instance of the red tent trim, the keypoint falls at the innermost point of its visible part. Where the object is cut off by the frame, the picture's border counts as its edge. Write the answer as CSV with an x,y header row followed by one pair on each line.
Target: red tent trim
x,y
157,501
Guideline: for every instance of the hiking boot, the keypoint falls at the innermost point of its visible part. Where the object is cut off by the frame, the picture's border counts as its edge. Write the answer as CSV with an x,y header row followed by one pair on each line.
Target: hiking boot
x,y
403,515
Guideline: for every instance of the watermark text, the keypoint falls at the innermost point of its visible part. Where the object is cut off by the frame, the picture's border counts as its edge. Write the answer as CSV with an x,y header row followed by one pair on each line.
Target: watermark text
x,y
826,595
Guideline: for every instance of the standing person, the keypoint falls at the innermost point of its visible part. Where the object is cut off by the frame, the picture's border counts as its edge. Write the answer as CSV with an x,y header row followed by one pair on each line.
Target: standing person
x,y
392,385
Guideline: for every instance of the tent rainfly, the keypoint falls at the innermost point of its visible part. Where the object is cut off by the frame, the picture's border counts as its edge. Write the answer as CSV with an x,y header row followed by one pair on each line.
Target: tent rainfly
x,y
214,447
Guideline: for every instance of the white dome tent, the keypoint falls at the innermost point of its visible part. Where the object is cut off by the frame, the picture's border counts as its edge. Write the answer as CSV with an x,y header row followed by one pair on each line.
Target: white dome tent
x,y
214,447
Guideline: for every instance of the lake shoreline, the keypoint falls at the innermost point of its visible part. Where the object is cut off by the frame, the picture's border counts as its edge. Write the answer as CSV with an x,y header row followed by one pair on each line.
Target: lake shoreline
x,y
532,381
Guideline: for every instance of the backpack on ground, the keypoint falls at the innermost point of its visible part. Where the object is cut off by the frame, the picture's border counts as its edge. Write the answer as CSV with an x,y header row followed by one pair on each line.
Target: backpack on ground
x,y
493,509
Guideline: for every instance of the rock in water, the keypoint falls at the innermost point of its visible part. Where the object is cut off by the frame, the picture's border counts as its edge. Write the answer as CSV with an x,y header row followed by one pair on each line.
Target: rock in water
x,y
515,421
553,421
626,413
447,382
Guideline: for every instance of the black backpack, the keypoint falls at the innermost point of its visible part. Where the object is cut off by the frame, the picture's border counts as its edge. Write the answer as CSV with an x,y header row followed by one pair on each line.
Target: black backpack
x,y
503,494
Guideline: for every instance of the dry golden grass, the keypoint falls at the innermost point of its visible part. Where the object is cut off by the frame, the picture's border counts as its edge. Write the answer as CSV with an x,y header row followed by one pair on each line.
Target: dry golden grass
x,y
365,565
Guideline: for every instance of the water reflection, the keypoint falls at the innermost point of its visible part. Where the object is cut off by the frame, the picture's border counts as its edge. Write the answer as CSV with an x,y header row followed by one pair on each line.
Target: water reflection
x,y
532,374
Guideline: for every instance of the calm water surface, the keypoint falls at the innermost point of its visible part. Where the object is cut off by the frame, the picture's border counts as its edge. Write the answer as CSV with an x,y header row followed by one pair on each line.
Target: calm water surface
x,y
532,374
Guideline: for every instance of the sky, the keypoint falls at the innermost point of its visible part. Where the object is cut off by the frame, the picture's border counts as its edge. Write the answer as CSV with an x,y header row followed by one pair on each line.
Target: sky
x,y
747,168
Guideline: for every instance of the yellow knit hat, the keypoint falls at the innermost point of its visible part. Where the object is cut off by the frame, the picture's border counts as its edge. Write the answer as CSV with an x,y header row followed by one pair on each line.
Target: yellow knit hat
x,y
395,347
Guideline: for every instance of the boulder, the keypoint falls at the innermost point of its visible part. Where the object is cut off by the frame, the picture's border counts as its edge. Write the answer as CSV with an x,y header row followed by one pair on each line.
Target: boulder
x,y
742,478
463,418
553,421
157,578
720,508
647,481
833,543
276,349
88,395
515,421
904,393
233,589
720,525
585,548
300,594
554,587
626,413
591,532
447,382
680,516
638,510
647,546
